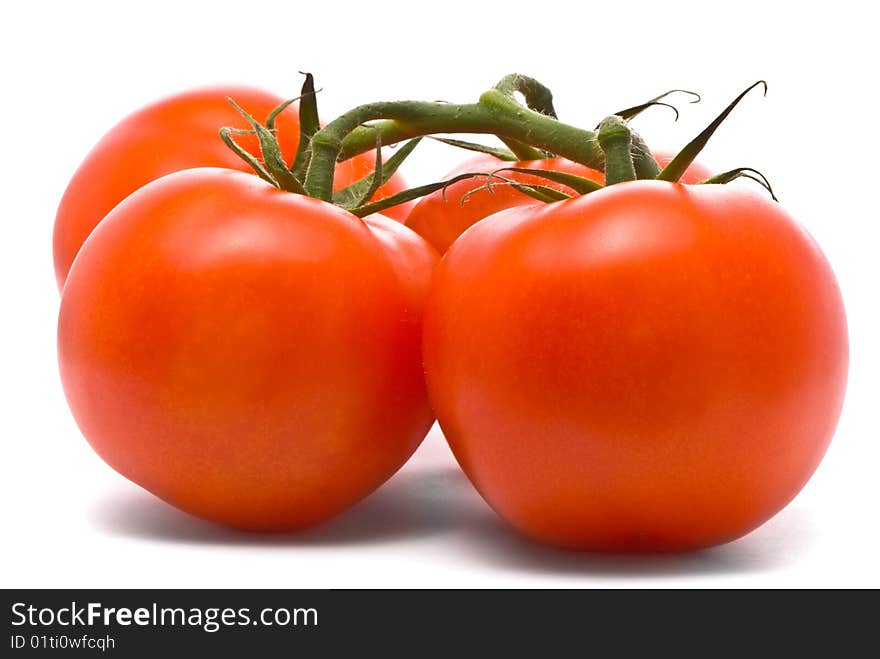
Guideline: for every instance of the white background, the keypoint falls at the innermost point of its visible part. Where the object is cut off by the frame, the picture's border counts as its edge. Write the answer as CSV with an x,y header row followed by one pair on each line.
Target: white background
x,y
72,69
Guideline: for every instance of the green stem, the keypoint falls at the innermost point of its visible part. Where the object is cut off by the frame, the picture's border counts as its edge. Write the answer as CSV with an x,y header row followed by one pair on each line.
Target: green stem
x,y
496,113
615,138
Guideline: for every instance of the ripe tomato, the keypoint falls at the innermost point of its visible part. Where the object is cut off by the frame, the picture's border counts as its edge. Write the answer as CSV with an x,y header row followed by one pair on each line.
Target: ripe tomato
x,y
249,355
441,217
648,367
179,132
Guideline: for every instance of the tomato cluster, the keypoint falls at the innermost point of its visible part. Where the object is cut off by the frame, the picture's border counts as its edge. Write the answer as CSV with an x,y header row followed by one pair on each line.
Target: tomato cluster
x,y
657,365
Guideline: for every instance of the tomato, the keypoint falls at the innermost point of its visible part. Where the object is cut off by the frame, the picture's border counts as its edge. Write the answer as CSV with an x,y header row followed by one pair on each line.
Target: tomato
x,y
442,217
249,355
652,366
179,132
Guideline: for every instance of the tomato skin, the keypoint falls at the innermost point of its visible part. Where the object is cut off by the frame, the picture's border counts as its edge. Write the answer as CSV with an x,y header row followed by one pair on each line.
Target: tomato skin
x,y
249,355
650,367
441,217
172,134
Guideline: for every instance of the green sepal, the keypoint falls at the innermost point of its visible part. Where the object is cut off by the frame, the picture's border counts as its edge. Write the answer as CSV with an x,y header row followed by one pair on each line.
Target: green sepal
x,y
409,195
271,152
536,191
501,154
360,192
375,178
636,110
273,115
741,172
226,134
523,151
579,184
678,165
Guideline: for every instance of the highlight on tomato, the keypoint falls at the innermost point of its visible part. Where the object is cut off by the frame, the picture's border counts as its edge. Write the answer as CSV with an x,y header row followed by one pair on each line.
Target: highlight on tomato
x,y
648,367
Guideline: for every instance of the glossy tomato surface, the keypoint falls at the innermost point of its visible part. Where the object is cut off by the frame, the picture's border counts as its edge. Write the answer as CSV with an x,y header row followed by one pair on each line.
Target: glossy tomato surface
x,y
650,367
443,216
176,133
249,355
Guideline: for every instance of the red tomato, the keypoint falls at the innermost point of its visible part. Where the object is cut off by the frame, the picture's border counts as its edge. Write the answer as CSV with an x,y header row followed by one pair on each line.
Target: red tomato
x,y
440,218
648,367
178,132
249,355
